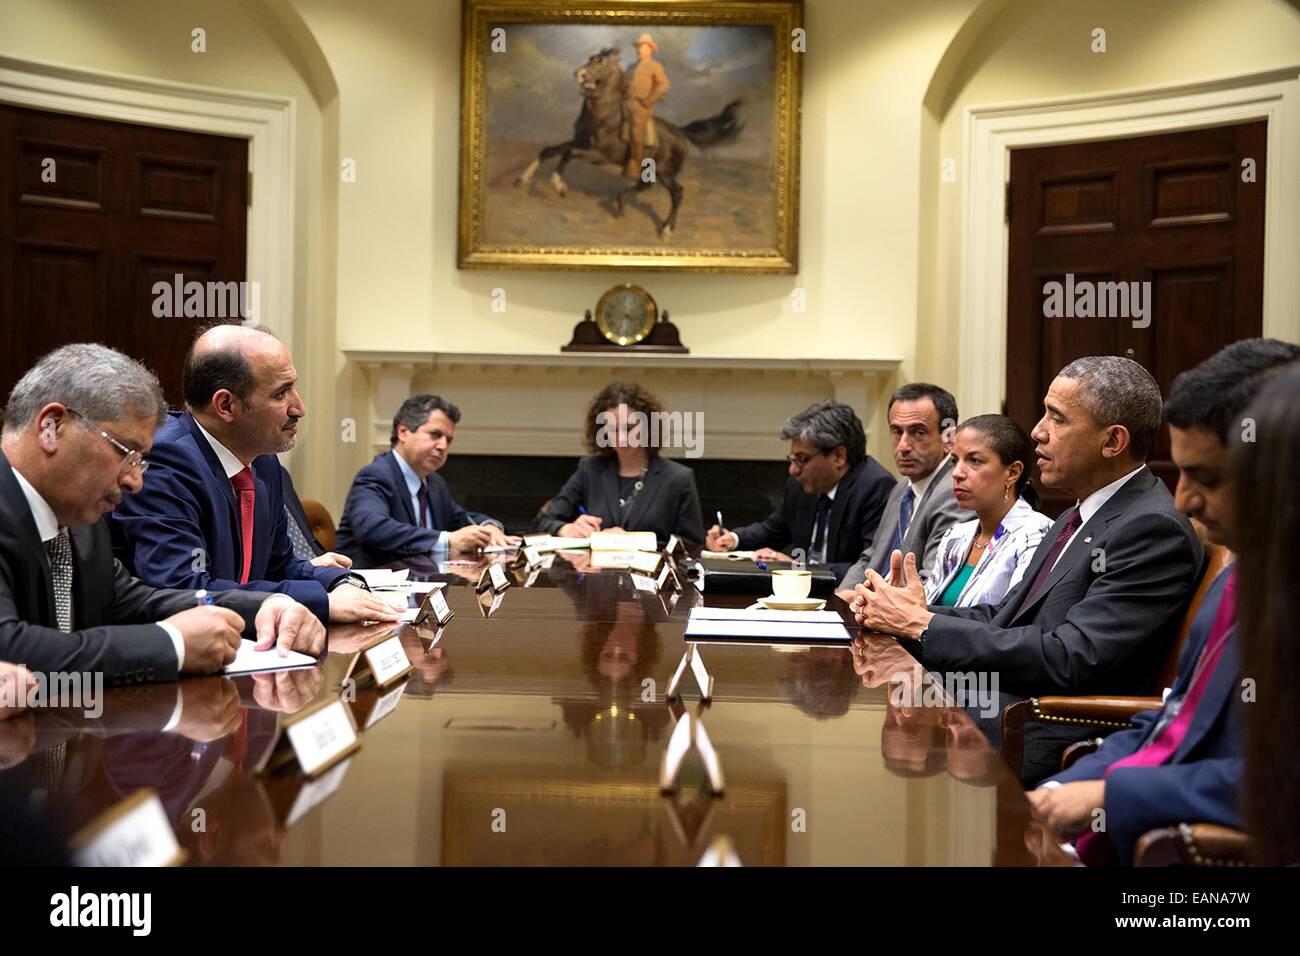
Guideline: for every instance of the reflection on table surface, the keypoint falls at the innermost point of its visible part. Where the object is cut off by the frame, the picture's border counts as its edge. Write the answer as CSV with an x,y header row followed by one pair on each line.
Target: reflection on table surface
x,y
532,733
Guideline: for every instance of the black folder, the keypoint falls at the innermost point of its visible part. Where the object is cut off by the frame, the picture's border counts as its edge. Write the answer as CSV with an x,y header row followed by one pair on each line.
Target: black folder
x,y
744,576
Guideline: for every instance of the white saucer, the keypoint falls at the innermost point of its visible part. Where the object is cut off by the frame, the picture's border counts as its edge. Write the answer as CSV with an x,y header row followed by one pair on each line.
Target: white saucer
x,y
774,603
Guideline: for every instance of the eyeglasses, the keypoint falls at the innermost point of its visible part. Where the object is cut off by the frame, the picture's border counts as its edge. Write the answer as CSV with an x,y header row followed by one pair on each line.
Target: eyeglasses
x,y
130,457
800,459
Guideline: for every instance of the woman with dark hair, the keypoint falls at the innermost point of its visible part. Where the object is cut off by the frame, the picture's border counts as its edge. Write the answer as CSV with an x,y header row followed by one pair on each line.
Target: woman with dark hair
x,y
980,560
1268,616
624,485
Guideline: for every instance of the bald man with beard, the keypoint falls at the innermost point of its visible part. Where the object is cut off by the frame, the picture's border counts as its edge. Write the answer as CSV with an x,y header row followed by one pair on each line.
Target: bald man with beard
x,y
212,513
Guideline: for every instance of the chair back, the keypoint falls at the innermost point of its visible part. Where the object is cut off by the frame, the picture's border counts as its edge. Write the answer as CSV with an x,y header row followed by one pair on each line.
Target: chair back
x,y
322,525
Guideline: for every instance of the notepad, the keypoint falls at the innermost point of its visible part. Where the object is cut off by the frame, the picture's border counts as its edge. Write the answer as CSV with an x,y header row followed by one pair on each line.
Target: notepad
x,y
553,542
624,541
383,578
763,614
760,626
249,661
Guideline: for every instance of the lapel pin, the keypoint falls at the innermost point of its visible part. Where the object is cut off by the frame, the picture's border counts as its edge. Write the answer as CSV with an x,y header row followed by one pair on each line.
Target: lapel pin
x,y
1088,540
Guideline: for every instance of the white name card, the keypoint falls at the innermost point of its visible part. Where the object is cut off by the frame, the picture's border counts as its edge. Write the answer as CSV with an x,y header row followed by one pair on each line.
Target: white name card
x,y
387,659
497,575
532,557
135,832
644,583
624,541
674,545
434,606
665,575
647,562
322,736
533,575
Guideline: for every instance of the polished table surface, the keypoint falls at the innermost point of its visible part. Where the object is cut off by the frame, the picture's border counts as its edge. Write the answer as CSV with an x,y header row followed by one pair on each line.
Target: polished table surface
x,y
533,735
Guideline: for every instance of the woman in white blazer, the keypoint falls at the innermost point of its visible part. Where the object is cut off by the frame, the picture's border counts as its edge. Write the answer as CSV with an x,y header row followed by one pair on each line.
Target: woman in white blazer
x,y
980,560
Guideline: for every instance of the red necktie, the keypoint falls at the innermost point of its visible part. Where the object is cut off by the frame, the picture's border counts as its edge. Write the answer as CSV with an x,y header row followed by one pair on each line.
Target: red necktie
x,y
244,490
1093,847
1067,530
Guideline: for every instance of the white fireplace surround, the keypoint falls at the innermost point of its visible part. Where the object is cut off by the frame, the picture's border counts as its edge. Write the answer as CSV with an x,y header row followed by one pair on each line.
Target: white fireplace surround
x,y
534,403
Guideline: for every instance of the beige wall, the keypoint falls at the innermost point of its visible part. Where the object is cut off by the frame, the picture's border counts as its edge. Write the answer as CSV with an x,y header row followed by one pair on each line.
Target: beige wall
x,y
885,86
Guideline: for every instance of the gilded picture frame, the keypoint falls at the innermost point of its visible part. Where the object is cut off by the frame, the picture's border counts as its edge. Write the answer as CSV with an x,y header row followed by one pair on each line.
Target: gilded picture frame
x,y
576,154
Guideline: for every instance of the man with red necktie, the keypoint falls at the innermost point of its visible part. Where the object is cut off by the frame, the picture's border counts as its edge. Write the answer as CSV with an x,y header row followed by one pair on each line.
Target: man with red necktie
x,y
212,513
1181,763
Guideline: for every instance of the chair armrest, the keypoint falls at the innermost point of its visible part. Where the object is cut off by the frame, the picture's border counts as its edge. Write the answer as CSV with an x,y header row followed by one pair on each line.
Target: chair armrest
x,y
1193,844
1103,711
1116,713
1077,750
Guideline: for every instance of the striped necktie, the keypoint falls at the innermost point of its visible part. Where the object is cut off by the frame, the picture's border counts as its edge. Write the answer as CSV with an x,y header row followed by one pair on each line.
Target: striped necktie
x,y
59,551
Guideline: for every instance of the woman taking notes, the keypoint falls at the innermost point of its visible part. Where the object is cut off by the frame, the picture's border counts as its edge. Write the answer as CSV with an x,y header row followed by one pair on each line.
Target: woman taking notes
x,y
980,560
624,485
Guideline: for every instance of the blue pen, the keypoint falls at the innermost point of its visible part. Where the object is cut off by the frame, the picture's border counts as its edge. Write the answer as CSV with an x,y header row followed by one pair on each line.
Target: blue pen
x,y
581,510
202,597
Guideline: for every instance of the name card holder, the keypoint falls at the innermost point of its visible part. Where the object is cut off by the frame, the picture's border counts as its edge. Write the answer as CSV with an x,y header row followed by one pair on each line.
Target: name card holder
x,y
674,548
721,852
489,601
689,820
494,578
435,607
383,705
646,562
529,557
133,832
429,637
384,660
703,679
668,577
314,739
688,735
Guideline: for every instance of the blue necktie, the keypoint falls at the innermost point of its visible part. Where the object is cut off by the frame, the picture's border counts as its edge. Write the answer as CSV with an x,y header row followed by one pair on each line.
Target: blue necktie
x,y
818,550
904,519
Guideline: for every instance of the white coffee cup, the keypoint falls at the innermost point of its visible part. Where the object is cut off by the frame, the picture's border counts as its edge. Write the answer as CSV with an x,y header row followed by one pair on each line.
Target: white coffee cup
x,y
791,584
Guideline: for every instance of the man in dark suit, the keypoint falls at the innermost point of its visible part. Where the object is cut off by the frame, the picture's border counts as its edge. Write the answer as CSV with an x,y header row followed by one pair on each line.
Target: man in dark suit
x,y
921,507
1181,762
77,428
400,506
1100,603
212,513
833,498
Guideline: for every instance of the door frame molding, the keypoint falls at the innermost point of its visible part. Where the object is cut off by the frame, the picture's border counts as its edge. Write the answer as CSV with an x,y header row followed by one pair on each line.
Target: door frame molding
x,y
266,121
991,132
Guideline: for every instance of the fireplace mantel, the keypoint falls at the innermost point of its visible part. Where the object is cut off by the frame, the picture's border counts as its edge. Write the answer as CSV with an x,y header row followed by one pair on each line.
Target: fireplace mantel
x,y
533,403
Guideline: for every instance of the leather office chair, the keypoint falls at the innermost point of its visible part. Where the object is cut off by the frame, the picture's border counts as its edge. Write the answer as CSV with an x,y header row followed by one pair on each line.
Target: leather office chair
x,y
322,525
1107,712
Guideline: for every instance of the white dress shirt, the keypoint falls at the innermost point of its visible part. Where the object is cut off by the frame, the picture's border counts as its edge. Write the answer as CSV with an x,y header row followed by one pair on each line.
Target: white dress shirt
x,y
229,463
47,526
1090,505
413,485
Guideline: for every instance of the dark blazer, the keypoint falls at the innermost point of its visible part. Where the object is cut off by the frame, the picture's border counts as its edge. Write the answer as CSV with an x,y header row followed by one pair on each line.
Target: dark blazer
x,y
1200,782
1103,622
859,502
934,514
187,511
293,507
379,524
667,505
113,614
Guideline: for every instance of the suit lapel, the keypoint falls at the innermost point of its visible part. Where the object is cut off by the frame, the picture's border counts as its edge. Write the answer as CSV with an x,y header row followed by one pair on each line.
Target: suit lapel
x,y
399,482
608,501
838,506
653,482
1079,551
1218,693
82,570
918,508
884,535
218,475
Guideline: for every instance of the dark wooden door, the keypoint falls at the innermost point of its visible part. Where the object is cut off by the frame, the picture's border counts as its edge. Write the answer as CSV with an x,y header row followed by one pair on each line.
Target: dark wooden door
x,y
126,206
1171,210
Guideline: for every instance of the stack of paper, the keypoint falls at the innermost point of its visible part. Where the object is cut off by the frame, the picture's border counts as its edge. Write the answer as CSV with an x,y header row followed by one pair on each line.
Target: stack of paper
x,y
796,627
384,579
733,555
552,542
249,661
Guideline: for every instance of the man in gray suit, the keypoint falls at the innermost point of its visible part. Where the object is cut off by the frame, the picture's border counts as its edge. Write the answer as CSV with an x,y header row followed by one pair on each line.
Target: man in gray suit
x,y
1101,602
922,420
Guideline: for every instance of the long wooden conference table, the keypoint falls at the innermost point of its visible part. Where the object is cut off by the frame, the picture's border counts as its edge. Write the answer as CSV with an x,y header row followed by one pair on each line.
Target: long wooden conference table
x,y
532,733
